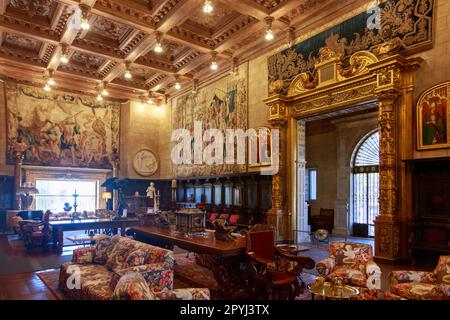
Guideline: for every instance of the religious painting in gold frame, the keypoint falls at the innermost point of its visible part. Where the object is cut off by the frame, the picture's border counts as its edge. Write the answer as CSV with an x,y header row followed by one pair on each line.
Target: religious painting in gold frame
x,y
433,114
254,147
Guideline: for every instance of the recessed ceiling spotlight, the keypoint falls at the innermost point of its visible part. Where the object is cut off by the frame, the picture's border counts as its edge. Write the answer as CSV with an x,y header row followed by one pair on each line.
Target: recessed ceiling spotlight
x,y
47,87
99,97
177,86
208,7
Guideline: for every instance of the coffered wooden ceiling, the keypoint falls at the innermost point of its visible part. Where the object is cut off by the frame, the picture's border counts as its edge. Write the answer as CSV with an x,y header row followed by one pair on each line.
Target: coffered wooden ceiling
x,y
124,31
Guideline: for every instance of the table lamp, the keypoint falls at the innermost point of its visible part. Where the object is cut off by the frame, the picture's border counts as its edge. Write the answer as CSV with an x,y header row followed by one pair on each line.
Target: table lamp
x,y
107,196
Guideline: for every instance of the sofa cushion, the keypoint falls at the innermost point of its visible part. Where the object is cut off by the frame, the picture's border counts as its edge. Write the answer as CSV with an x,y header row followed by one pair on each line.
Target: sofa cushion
x,y
418,291
349,276
442,270
132,286
349,253
135,258
118,255
102,247
94,281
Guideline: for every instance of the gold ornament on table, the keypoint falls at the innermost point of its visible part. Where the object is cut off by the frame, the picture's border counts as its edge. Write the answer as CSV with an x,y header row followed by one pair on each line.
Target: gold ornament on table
x,y
337,287
319,283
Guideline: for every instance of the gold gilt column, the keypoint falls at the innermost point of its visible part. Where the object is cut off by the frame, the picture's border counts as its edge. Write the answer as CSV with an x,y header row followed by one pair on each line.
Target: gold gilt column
x,y
394,85
279,215
386,226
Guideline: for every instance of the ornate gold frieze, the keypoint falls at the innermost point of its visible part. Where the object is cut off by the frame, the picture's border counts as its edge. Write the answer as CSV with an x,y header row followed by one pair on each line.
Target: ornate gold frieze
x,y
406,27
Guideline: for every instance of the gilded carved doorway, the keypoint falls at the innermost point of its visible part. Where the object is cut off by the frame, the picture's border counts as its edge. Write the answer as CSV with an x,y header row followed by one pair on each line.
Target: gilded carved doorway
x,y
385,79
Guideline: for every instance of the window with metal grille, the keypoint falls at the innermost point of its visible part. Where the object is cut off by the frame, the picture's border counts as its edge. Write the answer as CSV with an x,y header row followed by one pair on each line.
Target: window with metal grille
x,y
366,183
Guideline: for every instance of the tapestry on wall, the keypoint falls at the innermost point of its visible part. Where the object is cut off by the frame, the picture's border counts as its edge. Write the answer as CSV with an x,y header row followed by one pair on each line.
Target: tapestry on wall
x,y
62,129
395,25
221,105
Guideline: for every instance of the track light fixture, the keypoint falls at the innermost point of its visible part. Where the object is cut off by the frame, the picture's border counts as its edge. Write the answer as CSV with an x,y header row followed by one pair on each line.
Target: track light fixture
x,y
208,7
269,32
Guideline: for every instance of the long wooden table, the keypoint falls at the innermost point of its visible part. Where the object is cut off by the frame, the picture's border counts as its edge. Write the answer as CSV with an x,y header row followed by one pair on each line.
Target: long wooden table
x,y
227,256
195,243
60,226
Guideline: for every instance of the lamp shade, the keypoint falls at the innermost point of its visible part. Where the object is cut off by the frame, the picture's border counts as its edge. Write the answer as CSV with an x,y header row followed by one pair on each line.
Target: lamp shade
x,y
174,183
107,195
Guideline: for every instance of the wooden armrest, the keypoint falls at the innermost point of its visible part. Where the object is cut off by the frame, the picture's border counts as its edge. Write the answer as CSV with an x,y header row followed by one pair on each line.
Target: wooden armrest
x,y
258,258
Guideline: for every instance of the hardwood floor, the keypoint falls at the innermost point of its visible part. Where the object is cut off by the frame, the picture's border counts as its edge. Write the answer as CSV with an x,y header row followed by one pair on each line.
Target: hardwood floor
x,y
24,286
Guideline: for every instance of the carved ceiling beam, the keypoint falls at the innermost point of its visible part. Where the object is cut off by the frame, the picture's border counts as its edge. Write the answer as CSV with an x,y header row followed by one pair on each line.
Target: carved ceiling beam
x,y
66,81
26,32
57,15
248,8
3,6
2,35
178,14
113,15
67,38
194,64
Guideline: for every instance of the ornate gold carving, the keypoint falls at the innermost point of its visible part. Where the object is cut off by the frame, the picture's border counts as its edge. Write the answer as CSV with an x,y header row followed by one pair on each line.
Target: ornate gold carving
x,y
33,8
383,240
358,65
405,25
388,153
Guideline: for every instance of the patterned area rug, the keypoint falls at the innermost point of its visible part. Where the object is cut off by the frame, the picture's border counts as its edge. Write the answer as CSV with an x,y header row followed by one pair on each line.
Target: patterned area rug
x,y
50,279
187,275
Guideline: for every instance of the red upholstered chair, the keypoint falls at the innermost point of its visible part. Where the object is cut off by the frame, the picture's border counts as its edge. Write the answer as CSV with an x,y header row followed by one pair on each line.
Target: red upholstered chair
x,y
233,219
38,234
213,217
272,273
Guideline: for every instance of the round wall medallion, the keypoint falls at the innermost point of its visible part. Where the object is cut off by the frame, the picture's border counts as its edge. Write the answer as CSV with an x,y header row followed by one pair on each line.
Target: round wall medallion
x,y
145,162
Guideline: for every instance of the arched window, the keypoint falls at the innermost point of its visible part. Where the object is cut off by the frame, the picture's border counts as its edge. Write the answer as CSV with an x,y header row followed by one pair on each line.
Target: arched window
x,y
366,185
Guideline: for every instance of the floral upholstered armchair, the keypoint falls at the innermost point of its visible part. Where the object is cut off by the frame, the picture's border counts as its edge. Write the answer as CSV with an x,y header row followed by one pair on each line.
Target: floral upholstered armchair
x,y
353,263
422,285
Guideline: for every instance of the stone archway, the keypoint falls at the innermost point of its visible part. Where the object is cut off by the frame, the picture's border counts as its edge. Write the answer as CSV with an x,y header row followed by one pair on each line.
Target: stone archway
x,y
387,80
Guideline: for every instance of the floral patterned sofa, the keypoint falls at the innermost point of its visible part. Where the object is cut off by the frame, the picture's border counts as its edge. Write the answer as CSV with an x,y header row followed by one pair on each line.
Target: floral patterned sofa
x,y
421,285
95,272
353,263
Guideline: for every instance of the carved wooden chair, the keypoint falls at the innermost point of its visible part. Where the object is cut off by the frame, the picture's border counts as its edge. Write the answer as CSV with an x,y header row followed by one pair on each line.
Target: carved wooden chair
x,y
272,273
38,234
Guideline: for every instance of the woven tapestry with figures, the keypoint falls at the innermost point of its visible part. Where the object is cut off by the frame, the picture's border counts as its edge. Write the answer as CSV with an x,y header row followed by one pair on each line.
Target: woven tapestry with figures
x,y
60,129
221,105
394,25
